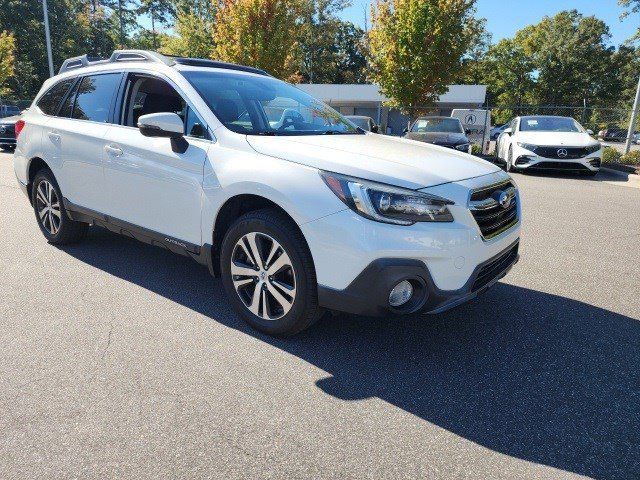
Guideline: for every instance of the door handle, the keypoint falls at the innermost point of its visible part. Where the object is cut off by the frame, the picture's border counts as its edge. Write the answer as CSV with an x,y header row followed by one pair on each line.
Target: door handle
x,y
113,151
54,137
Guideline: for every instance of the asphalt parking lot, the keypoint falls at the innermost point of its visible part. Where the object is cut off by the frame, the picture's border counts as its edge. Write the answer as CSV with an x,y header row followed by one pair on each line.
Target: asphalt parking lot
x,y
119,360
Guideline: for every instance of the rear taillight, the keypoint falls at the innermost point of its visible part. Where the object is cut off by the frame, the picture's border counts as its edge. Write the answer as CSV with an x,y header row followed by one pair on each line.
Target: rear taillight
x,y
19,126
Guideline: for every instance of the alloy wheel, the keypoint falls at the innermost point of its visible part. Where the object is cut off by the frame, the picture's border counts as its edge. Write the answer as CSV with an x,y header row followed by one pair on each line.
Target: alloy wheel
x,y
263,275
48,207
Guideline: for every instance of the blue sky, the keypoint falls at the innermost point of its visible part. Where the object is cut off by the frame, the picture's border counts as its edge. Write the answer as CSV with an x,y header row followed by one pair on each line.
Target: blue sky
x,y
505,17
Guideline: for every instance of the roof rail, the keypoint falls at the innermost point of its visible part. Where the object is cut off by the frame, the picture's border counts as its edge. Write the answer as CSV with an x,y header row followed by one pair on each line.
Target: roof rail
x,y
139,56
202,62
149,56
79,62
116,56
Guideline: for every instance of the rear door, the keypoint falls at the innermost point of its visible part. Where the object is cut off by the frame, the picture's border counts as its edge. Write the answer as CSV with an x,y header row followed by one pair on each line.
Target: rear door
x,y
76,137
148,184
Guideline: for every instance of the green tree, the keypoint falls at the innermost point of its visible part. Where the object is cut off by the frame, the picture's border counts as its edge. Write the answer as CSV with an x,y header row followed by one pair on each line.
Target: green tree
x,y
7,60
259,33
572,59
632,7
69,37
317,39
473,59
194,28
415,48
159,11
351,63
509,74
123,17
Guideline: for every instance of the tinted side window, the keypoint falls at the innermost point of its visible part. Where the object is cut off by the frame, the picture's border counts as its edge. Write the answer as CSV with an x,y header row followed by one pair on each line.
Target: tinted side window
x,y
49,102
94,96
194,127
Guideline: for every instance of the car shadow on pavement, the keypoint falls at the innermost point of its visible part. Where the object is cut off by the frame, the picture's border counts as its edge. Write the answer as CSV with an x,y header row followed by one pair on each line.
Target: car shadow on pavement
x,y
528,374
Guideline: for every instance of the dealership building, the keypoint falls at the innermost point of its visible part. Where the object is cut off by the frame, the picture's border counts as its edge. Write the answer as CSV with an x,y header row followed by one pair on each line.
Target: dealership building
x,y
355,99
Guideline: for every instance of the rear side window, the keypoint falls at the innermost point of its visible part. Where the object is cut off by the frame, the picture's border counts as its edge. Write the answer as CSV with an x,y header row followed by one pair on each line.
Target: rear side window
x,y
94,96
50,101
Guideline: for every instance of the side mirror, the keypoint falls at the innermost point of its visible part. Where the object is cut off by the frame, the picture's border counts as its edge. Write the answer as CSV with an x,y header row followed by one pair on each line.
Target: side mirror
x,y
164,124
508,131
589,131
375,129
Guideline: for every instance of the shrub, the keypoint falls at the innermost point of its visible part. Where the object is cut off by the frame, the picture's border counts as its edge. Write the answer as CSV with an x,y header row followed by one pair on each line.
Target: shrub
x,y
476,149
610,155
631,158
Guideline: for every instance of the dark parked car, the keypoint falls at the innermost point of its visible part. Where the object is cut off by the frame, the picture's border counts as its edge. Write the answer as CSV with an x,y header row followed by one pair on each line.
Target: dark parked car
x,y
8,132
9,111
613,134
443,131
365,123
497,130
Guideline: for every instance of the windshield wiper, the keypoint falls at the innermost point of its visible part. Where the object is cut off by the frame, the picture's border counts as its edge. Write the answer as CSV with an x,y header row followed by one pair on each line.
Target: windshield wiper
x,y
338,132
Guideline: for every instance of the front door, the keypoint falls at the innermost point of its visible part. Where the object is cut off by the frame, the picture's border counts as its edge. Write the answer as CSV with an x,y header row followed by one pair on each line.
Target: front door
x,y
148,184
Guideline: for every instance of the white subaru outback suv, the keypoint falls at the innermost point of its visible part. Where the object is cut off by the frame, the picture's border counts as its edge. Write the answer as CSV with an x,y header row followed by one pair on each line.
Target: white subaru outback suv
x,y
294,207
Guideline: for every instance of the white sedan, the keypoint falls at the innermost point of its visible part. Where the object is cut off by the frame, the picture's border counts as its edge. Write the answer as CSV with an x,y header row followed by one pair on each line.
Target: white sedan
x,y
548,143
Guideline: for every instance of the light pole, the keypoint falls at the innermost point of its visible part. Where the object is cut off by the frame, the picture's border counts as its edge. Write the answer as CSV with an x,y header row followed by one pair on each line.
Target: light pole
x,y
48,36
632,124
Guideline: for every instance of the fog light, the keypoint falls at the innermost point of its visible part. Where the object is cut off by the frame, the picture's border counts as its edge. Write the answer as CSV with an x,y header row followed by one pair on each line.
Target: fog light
x,y
401,293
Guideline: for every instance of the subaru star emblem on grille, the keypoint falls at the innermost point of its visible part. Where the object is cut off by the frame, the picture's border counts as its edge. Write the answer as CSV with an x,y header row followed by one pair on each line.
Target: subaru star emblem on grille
x,y
562,153
504,200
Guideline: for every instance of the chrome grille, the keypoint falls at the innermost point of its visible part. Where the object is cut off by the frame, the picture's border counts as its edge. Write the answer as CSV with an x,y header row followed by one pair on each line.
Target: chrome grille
x,y
493,216
568,152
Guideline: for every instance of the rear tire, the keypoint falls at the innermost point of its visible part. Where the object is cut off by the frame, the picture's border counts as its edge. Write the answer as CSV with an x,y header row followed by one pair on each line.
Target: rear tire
x,y
52,217
277,293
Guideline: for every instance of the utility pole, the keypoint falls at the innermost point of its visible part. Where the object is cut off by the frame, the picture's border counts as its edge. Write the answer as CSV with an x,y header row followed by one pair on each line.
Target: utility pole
x,y
45,10
632,124
121,24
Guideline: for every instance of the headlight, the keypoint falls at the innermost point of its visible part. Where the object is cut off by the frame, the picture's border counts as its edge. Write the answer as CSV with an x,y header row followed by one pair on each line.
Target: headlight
x,y
384,203
592,148
464,147
528,146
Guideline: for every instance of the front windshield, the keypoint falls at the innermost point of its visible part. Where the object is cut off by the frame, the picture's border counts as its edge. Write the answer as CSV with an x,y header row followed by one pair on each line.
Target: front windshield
x,y
261,105
436,124
549,124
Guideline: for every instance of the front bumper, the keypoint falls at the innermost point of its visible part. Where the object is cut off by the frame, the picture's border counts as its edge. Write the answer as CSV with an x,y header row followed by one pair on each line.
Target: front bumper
x,y
357,259
366,297
527,160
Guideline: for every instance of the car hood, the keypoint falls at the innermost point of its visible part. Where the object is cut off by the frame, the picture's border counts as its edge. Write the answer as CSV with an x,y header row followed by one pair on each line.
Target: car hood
x,y
381,158
555,139
438,137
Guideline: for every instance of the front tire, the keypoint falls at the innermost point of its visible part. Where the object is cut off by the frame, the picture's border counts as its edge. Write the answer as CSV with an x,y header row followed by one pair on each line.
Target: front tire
x,y
509,161
52,217
268,273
